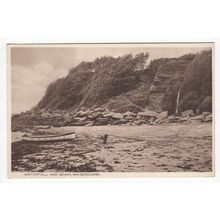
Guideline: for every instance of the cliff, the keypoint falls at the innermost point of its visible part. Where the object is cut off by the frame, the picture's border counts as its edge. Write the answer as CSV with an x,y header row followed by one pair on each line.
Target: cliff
x,y
167,82
104,82
125,84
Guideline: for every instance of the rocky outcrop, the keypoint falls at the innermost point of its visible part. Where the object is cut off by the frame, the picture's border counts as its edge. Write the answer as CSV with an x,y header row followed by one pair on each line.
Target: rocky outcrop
x,y
188,113
125,84
208,118
148,114
168,79
100,116
163,115
189,76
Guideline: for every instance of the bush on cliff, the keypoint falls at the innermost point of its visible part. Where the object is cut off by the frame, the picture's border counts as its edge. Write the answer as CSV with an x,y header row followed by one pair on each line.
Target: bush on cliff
x,y
197,88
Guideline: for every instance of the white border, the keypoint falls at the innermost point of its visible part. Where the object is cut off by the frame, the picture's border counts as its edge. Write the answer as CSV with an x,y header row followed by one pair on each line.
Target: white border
x,y
68,40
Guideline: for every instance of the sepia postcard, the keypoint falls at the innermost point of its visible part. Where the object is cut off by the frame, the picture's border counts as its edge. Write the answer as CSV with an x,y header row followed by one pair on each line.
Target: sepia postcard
x,y
110,110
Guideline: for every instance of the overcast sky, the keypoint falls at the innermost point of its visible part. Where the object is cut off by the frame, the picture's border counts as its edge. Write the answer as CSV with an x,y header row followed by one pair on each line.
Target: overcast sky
x,y
33,68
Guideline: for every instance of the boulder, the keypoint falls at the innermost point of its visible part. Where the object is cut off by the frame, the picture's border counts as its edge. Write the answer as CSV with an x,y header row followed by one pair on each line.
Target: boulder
x,y
129,114
74,121
79,119
173,118
102,121
99,110
188,113
78,123
138,117
129,118
107,115
94,115
159,121
148,114
182,120
89,123
206,114
151,119
119,122
122,121
208,118
138,122
198,118
152,123
117,116
163,115
79,114
156,121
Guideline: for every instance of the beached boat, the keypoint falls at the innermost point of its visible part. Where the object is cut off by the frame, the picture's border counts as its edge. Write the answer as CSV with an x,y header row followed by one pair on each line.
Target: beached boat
x,y
42,127
39,138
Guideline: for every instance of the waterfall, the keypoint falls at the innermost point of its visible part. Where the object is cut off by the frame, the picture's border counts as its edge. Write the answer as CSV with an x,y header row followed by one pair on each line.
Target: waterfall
x,y
177,102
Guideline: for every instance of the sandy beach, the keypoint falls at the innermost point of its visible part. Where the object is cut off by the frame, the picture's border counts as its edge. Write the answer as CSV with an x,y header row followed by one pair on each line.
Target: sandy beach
x,y
158,148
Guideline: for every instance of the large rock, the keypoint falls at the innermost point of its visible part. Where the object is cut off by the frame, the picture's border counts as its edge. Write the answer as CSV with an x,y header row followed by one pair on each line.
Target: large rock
x,y
82,113
120,122
163,115
90,123
117,116
76,123
148,114
182,120
99,110
151,119
208,118
173,118
79,119
159,121
206,114
138,122
198,118
107,115
129,114
94,115
130,118
102,121
188,113
138,117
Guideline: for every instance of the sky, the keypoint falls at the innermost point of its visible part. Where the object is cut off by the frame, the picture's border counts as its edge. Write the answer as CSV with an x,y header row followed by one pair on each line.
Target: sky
x,y
34,68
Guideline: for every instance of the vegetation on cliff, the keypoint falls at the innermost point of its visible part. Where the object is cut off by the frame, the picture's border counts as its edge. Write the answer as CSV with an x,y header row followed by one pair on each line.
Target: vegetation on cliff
x,y
94,83
127,84
197,87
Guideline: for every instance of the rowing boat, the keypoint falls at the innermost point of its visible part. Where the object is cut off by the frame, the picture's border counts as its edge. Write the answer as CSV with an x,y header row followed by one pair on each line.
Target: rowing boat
x,y
39,138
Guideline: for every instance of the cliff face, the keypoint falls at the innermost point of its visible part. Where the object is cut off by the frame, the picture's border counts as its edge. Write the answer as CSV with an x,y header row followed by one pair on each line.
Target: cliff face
x,y
168,80
101,83
124,84
191,77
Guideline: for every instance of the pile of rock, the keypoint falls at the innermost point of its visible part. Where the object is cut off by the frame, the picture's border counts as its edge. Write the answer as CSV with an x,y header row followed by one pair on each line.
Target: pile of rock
x,y
204,117
101,116
189,116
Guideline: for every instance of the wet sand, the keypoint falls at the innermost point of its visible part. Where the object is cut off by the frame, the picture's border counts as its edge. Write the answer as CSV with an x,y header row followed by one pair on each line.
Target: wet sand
x,y
158,148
